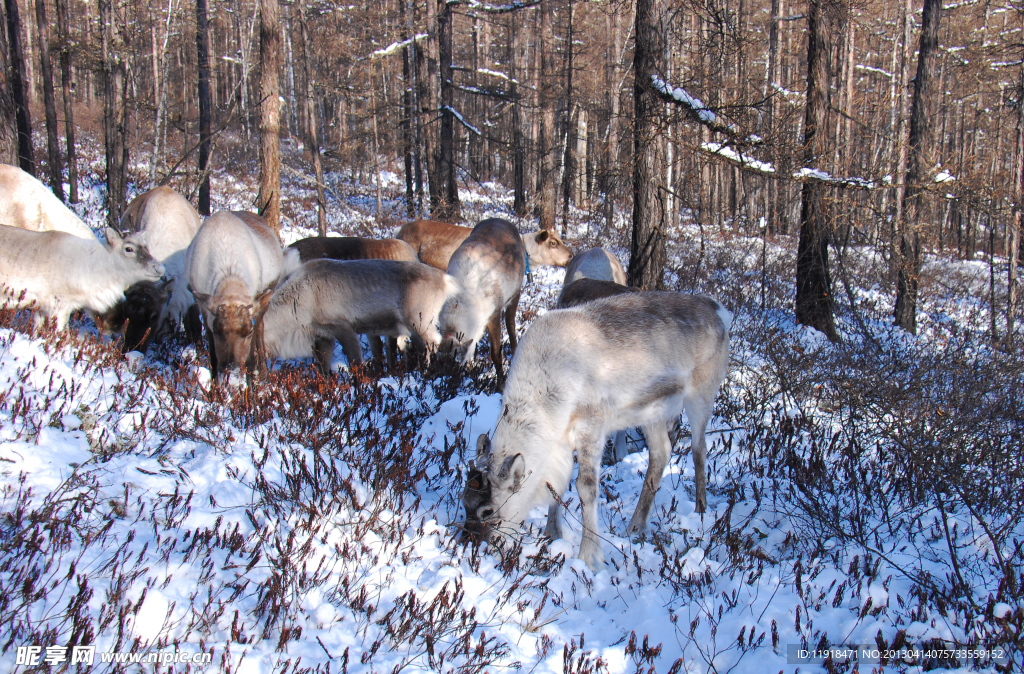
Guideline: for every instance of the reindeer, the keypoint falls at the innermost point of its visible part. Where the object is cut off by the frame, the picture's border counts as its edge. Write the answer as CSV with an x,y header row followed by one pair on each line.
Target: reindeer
x,y
233,266
489,266
580,373
26,203
435,242
328,300
166,222
353,248
58,273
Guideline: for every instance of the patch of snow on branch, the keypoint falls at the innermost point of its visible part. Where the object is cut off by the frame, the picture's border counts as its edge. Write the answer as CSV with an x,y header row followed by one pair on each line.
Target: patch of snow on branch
x,y
872,69
395,46
825,177
944,176
722,150
461,120
682,96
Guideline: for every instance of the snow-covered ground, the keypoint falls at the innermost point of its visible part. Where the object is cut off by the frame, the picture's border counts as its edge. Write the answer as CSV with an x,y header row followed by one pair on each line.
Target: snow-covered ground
x,y
309,524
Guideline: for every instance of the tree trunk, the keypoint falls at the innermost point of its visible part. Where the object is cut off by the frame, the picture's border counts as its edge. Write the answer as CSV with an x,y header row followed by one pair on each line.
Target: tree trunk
x,y
203,61
407,127
49,102
64,35
8,113
518,136
449,209
115,127
813,279
909,256
1014,252
611,169
432,100
548,145
647,248
268,202
19,88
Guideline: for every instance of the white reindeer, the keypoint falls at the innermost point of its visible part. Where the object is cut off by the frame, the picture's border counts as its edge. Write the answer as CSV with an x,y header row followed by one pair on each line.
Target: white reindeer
x,y
59,273
26,203
233,265
636,359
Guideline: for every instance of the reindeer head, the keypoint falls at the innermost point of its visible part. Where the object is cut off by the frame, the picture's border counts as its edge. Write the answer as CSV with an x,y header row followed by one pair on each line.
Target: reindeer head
x,y
232,323
544,247
492,494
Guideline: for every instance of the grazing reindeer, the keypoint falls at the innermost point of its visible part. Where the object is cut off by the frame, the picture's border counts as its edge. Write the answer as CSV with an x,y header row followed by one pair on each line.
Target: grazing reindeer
x,y
435,242
358,248
489,266
59,272
26,203
328,300
166,222
138,316
585,290
633,359
233,266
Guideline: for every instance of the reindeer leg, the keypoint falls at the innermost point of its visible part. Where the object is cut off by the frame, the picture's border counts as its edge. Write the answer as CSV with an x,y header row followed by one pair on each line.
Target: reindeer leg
x,y
510,322
494,330
323,353
211,346
553,530
349,344
375,347
589,446
658,444
697,413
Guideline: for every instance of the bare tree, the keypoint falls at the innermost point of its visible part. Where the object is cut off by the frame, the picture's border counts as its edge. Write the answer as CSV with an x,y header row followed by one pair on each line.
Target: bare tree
x,y
647,248
8,123
64,35
19,88
825,21
312,135
49,103
909,254
115,117
268,202
547,178
203,63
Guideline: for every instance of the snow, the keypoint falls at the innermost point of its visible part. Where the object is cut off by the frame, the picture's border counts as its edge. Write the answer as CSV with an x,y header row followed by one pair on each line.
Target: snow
x,y
823,176
462,121
682,96
395,46
944,176
738,157
872,69
319,526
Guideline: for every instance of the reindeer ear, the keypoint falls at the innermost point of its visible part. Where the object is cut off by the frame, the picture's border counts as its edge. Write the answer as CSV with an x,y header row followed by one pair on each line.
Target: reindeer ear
x,y
515,468
168,284
542,236
113,238
201,298
261,303
483,449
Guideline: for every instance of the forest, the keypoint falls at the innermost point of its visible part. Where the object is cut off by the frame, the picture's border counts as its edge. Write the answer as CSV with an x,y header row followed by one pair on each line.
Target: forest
x,y
845,176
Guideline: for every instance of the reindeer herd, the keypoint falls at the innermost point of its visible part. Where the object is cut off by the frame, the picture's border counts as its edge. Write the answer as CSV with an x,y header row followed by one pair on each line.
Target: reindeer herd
x,y
608,358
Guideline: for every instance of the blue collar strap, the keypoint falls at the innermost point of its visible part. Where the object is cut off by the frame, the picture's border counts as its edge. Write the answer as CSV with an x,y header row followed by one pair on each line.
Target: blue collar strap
x,y
529,274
